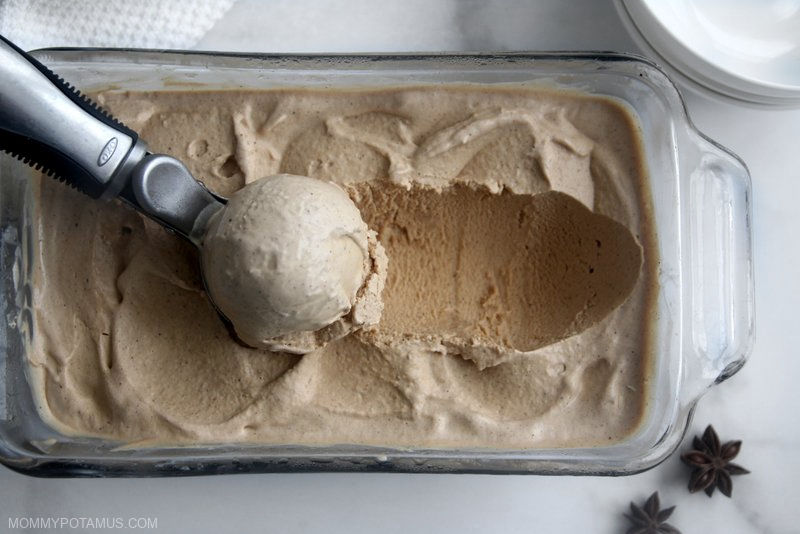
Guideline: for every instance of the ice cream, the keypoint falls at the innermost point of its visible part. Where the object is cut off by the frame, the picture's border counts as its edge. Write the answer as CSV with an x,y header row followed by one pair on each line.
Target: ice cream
x,y
291,263
518,300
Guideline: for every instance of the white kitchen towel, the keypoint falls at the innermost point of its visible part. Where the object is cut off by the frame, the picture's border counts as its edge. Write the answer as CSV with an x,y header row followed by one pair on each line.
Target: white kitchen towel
x,y
178,24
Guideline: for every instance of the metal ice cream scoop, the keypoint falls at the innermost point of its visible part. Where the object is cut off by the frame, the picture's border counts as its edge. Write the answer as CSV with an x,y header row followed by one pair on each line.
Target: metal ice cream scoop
x,y
46,122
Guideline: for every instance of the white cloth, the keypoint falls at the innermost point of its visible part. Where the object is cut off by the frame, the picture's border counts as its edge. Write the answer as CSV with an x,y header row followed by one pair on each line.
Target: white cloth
x,y
177,24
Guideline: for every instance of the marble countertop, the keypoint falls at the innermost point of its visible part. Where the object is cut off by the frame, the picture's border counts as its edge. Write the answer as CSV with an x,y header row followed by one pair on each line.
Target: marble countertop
x,y
759,405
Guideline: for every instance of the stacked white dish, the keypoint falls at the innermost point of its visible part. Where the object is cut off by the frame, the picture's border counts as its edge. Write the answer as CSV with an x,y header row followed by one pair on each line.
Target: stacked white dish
x,y
747,50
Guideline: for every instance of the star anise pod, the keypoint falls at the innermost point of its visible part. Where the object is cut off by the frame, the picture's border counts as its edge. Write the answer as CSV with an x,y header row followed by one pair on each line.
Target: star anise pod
x,y
712,463
650,519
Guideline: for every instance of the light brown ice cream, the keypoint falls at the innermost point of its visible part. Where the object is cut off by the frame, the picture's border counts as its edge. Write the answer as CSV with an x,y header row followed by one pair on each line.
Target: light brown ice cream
x,y
517,305
291,263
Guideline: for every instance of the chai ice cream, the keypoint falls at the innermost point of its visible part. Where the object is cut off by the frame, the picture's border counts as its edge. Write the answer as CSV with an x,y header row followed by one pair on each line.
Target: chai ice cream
x,y
292,265
519,276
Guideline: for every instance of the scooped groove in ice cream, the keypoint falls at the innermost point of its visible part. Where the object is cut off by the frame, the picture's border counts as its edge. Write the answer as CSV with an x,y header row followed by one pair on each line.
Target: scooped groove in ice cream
x,y
291,263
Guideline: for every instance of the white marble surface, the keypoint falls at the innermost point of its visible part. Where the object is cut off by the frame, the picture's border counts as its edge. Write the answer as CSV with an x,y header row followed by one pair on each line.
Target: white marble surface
x,y
759,405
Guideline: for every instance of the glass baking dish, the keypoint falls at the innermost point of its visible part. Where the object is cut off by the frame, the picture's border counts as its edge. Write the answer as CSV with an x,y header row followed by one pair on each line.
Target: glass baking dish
x,y
701,199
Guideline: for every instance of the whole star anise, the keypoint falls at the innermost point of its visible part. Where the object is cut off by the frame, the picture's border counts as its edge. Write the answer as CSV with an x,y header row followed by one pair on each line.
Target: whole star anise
x,y
650,519
712,463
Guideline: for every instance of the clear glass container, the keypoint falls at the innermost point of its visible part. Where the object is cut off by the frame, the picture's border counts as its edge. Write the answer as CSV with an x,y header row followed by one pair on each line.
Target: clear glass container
x,y
701,197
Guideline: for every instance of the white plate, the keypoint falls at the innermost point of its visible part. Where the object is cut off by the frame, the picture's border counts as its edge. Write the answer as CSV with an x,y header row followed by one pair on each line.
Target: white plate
x,y
746,49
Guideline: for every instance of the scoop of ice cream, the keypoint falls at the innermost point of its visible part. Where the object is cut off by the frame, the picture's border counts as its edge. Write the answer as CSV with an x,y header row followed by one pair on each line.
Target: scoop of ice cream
x,y
292,264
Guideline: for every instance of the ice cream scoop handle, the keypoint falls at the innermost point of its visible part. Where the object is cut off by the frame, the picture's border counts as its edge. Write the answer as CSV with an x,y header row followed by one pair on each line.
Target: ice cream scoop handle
x,y
46,122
